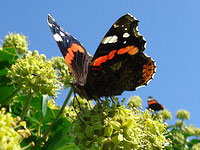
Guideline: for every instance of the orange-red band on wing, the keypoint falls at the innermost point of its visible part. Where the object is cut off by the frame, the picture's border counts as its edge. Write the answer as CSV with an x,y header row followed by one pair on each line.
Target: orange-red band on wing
x,y
152,102
70,53
104,58
131,50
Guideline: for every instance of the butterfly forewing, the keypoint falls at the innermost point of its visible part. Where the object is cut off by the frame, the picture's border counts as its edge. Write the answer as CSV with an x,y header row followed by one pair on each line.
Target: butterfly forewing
x,y
75,55
119,63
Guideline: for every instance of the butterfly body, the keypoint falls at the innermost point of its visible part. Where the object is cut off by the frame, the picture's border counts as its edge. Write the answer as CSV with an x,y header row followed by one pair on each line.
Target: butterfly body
x,y
118,64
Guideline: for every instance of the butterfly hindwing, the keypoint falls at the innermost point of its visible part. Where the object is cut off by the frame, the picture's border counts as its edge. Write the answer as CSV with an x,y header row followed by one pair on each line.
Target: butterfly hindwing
x,y
119,63
73,52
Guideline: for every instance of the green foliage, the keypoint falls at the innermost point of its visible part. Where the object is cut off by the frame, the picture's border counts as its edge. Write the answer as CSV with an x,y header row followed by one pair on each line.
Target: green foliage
x,y
29,85
113,127
184,137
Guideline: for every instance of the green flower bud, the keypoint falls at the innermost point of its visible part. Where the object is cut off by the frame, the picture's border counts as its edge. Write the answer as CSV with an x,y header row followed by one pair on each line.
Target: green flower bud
x,y
165,114
10,138
18,41
183,114
63,71
134,101
189,129
196,146
82,102
178,138
180,124
120,128
197,131
35,73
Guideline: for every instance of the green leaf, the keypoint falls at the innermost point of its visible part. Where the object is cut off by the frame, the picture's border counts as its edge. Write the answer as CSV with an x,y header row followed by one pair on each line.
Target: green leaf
x,y
44,104
8,54
59,138
5,92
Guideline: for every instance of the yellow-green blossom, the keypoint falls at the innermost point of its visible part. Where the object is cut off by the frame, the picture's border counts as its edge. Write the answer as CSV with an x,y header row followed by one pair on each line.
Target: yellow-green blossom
x,y
18,41
10,138
33,73
165,114
63,71
189,129
183,114
134,101
196,146
116,127
180,123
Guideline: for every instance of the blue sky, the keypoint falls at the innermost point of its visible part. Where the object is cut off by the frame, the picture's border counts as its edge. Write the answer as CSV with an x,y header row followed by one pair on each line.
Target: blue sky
x,y
171,28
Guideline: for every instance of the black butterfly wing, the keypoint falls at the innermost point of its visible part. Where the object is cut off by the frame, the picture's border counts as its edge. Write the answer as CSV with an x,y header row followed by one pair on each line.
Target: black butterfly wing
x,y
119,63
154,105
75,55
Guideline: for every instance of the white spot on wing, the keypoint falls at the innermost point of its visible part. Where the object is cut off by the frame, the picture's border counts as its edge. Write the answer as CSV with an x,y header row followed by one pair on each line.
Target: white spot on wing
x,y
124,42
61,33
126,35
57,37
109,39
50,24
115,25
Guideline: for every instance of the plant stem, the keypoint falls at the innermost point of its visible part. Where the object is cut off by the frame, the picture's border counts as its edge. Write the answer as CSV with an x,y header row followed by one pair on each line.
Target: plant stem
x,y
58,115
10,96
26,105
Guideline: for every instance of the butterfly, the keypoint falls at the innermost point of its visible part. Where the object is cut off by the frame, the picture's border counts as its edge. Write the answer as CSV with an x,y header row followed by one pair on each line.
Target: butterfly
x,y
119,63
154,105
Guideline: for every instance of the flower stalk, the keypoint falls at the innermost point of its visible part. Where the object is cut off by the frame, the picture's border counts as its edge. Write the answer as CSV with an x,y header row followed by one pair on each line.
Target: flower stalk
x,y
26,105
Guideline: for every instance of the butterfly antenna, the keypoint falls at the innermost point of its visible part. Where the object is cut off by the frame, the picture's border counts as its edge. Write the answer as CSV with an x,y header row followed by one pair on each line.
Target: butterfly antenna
x,y
60,77
112,99
98,102
79,104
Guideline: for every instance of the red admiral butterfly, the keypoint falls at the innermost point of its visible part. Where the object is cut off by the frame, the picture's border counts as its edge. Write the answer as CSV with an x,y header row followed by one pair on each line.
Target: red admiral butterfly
x,y
118,65
154,105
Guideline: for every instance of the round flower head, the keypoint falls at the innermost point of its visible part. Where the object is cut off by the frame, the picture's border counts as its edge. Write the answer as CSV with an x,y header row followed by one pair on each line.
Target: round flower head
x,y
197,132
180,124
10,138
178,138
33,72
189,129
63,71
165,114
134,101
116,127
196,146
18,41
183,114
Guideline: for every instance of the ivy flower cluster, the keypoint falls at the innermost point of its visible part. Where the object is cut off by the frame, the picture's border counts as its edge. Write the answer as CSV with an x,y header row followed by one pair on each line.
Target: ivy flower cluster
x,y
18,41
34,73
115,127
10,137
63,71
